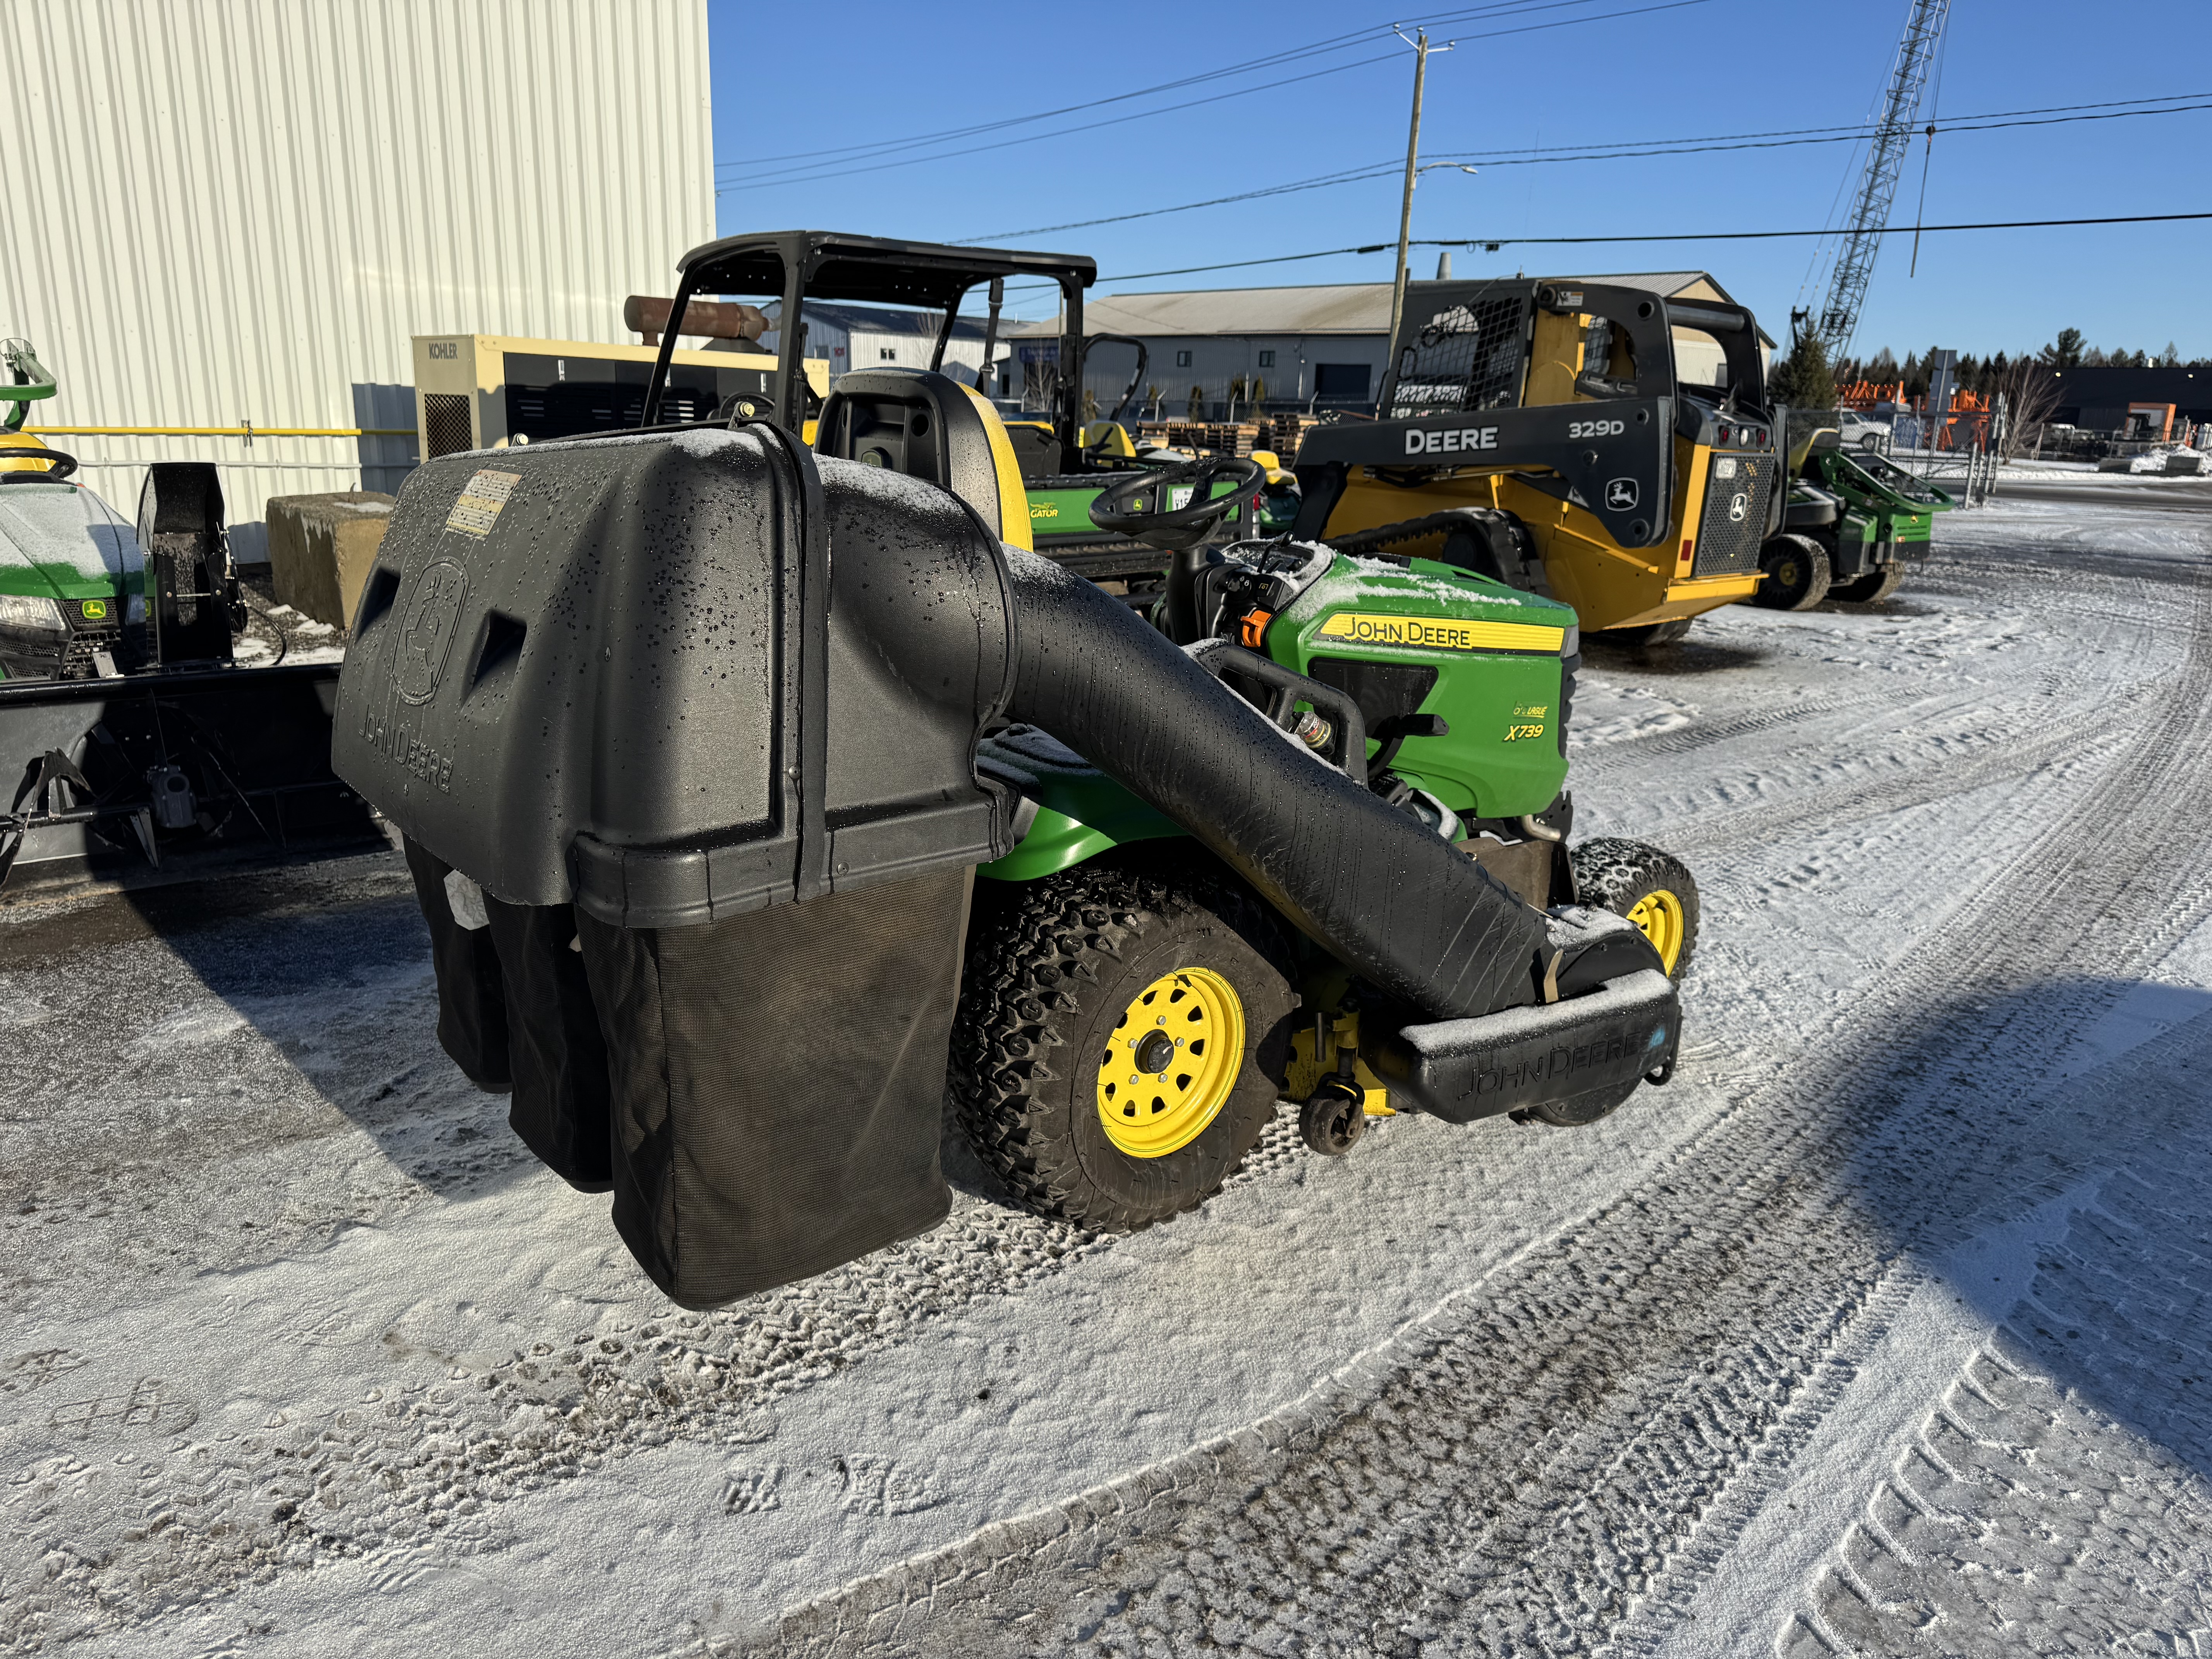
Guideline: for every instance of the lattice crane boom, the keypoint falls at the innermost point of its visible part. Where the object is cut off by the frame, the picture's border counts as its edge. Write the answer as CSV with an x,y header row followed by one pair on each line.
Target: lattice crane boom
x,y
1892,137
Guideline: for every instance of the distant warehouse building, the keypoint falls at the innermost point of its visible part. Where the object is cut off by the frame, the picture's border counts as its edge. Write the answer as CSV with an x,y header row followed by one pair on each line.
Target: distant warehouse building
x,y
2135,403
1322,347
1310,347
850,337
225,222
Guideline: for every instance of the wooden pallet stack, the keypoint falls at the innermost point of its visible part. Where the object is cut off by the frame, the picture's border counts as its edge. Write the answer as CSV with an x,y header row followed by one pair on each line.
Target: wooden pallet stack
x,y
1285,431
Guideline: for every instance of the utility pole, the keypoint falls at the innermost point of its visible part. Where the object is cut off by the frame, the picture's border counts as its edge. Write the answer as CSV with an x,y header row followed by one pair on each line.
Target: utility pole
x,y
1413,160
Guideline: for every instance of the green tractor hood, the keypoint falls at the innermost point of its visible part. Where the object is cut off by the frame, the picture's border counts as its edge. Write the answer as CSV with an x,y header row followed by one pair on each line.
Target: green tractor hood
x,y
72,579
62,542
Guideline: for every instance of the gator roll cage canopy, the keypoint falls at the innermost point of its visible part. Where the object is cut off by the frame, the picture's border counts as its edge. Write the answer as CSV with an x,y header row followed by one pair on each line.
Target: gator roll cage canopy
x,y
797,265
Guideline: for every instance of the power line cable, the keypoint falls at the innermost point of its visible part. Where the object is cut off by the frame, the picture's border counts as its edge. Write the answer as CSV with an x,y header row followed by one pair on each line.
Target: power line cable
x,y
1784,138
804,175
1493,243
1335,42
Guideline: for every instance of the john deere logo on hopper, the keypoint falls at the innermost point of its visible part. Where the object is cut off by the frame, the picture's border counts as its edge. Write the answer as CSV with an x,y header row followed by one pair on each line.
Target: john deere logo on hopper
x,y
1441,633
426,633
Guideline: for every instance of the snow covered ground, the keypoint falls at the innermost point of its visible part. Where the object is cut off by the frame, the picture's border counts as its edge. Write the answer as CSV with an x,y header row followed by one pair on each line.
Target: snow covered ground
x,y
1883,1328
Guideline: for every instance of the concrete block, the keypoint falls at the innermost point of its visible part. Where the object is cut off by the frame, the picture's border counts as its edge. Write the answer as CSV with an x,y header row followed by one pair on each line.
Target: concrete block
x,y
320,548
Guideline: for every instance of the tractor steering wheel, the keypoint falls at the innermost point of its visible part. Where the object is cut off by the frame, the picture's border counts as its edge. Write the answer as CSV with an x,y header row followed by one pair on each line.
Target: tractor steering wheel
x,y
60,466
1118,506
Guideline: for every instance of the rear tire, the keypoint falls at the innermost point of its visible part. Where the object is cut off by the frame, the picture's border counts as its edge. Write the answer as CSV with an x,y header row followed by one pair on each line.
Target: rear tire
x,y
1797,572
1646,638
1872,587
1654,889
1062,978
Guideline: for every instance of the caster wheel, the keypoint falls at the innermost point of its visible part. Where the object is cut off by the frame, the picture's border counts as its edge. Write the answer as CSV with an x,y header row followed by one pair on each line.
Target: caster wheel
x,y
1334,1119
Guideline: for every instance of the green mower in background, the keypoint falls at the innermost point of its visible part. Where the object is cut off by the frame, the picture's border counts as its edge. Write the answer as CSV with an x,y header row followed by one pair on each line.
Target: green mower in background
x,y
129,737
72,579
1852,520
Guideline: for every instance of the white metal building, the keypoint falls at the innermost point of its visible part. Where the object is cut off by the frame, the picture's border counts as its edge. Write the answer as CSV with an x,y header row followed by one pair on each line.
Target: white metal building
x,y
231,216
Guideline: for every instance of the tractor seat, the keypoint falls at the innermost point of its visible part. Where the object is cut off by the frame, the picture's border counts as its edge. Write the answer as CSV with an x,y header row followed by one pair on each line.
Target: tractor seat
x,y
930,427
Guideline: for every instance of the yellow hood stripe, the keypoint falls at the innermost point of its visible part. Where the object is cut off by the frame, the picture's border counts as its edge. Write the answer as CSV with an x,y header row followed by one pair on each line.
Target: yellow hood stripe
x,y
1441,633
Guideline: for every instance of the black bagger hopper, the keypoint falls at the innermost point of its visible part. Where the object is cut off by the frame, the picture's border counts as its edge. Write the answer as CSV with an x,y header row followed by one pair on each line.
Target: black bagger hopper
x,y
681,729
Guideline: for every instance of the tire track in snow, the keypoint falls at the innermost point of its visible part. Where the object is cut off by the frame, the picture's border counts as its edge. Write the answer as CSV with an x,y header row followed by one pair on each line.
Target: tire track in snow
x,y
1522,1473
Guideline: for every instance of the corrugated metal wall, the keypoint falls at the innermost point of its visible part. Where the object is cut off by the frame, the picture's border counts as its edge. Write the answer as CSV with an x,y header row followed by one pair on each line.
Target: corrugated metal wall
x,y
221,211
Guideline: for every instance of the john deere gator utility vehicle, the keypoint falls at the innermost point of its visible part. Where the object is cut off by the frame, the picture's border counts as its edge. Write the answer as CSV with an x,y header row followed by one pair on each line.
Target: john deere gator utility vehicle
x,y
128,735
700,738
1537,432
1062,461
1850,522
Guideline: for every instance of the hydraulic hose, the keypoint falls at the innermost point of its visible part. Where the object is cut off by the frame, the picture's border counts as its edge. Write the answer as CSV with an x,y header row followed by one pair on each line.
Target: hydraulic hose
x,y
1418,918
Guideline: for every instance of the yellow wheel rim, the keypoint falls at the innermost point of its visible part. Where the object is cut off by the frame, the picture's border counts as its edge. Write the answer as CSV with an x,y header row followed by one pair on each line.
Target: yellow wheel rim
x,y
1169,1066
1659,913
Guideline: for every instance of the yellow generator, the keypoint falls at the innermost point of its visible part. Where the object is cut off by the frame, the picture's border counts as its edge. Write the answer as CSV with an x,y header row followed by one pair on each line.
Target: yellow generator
x,y
1548,433
488,391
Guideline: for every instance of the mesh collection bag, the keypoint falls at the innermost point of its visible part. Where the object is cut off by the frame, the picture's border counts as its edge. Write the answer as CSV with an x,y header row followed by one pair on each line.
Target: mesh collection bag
x,y
515,1011
779,1082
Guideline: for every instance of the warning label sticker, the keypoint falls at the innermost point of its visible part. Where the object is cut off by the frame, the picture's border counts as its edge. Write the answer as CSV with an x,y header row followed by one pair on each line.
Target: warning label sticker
x,y
480,502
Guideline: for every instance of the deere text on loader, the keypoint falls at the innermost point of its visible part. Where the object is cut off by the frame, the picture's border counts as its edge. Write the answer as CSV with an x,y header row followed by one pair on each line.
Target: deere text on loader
x,y
755,791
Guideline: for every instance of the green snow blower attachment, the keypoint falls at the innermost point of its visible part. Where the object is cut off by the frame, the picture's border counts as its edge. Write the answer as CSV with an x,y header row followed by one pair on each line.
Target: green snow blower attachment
x,y
697,740
1853,520
129,737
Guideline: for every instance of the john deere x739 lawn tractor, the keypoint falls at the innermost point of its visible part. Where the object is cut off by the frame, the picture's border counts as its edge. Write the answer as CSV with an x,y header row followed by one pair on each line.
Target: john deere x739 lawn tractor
x,y
701,737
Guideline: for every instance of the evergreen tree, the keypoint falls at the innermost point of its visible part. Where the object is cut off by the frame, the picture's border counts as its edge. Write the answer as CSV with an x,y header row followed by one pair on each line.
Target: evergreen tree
x,y
2065,352
1803,379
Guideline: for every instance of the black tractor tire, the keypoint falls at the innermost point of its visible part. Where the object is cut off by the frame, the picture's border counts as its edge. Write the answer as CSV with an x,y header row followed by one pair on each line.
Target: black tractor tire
x,y
1649,636
1618,875
1872,587
1053,970
1796,569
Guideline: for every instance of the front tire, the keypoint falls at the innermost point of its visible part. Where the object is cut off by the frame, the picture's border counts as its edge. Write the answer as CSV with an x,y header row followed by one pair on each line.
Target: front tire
x,y
1071,987
1796,569
1654,889
1872,587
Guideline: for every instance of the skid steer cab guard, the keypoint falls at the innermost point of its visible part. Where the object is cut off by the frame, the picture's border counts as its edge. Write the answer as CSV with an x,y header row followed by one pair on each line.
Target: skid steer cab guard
x,y
1541,432
682,730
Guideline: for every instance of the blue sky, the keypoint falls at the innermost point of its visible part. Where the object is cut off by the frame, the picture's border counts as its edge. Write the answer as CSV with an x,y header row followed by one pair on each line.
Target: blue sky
x,y
806,79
